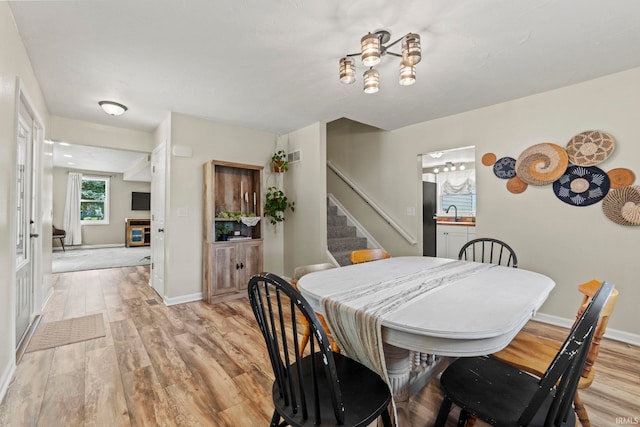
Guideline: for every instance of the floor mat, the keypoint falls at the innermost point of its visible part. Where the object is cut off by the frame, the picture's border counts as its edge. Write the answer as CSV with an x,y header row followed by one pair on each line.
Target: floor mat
x,y
63,332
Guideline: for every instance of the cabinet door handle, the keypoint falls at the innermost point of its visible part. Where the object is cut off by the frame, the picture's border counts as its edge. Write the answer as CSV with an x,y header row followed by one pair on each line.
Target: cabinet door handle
x,y
237,266
160,230
241,265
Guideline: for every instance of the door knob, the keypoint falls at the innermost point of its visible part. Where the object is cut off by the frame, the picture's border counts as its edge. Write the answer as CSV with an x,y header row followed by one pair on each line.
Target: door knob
x,y
34,235
160,230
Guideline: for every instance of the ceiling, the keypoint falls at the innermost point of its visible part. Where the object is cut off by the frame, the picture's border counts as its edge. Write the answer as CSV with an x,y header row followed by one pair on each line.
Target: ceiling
x,y
274,65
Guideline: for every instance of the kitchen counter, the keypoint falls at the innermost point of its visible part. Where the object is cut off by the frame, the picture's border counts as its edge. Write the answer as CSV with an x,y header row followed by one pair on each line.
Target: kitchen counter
x,y
465,221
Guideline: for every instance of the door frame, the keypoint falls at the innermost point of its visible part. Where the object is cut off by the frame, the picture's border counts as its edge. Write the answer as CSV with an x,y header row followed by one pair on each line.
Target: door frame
x,y
158,190
37,140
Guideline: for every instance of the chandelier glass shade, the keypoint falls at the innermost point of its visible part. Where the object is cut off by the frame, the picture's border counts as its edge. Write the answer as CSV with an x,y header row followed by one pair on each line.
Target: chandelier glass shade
x,y
347,70
372,48
371,81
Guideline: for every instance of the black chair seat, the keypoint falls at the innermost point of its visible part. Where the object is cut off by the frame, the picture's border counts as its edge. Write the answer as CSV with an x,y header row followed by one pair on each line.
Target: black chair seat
x,y
364,394
498,392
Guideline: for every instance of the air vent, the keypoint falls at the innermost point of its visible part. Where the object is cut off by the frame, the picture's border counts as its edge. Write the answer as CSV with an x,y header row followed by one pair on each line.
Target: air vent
x,y
293,157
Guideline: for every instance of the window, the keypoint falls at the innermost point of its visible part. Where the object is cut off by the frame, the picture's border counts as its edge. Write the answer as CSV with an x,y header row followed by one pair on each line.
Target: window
x,y
94,200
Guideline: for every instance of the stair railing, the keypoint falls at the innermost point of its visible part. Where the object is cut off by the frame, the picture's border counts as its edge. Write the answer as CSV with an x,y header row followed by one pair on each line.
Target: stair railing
x,y
377,209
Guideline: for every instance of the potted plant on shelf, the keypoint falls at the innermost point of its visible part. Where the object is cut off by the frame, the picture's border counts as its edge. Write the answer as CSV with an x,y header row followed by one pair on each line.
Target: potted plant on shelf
x,y
222,231
275,205
279,161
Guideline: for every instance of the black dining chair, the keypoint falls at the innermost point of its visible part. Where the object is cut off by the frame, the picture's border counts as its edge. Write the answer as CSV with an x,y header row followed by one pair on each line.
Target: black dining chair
x,y
59,233
503,395
323,388
489,250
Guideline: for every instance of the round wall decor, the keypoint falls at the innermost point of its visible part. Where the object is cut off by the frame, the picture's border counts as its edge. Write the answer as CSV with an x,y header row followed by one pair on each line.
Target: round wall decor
x,y
582,186
622,205
621,177
590,148
505,168
516,186
542,164
488,159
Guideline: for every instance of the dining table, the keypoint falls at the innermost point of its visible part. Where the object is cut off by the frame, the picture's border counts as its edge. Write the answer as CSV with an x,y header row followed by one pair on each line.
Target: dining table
x,y
406,317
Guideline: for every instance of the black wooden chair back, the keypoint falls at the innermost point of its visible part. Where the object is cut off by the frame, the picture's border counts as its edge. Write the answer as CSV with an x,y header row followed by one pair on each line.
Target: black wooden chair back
x,y
479,385
489,250
309,390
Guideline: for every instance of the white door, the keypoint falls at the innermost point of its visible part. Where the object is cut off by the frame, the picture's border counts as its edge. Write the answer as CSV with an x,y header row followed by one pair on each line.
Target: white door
x,y
158,179
27,222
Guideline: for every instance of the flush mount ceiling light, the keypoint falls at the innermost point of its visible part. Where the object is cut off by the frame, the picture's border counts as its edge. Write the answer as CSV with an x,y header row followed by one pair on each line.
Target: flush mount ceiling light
x,y
372,49
112,108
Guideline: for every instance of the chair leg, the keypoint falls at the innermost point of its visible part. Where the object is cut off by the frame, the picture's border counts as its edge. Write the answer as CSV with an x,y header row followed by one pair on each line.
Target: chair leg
x,y
386,418
581,411
443,413
275,419
305,339
465,419
471,420
462,418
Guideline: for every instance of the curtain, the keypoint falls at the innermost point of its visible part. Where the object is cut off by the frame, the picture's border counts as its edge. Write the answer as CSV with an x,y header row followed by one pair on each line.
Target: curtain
x,y
72,210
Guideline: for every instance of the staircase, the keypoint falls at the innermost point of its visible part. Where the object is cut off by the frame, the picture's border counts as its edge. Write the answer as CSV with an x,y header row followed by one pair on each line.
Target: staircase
x,y
342,238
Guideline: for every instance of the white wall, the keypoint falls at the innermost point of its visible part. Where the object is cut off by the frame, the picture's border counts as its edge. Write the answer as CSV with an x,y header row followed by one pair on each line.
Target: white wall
x,y
14,62
305,230
97,135
208,140
119,206
570,244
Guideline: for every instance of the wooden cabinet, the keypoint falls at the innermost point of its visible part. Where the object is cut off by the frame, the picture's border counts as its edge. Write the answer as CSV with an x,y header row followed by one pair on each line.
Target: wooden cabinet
x,y
230,189
232,264
137,232
451,238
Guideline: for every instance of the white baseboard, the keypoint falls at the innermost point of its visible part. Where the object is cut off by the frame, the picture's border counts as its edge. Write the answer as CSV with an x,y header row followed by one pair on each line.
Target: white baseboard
x,y
6,378
613,334
183,299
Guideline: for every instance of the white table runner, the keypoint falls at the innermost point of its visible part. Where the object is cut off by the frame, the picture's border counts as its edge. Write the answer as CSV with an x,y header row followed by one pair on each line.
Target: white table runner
x,y
355,315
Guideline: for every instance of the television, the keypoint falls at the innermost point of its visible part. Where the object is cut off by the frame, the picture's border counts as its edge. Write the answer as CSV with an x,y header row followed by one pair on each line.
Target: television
x,y
140,201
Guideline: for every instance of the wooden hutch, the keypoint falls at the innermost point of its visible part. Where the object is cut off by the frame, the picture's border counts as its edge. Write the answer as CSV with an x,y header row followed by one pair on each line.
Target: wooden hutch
x,y
230,188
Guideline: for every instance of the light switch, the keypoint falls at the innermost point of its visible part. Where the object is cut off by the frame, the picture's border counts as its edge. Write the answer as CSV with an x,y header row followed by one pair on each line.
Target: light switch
x,y
183,211
411,211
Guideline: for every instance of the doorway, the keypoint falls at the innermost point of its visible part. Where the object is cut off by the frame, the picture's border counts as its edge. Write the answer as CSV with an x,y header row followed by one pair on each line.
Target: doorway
x,y
158,185
29,137
448,179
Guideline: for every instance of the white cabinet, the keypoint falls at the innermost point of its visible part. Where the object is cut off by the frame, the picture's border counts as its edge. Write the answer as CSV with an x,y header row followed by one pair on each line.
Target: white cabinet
x,y
451,238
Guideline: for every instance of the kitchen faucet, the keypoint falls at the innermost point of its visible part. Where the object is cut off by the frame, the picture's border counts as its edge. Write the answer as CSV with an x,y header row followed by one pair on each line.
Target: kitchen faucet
x,y
456,217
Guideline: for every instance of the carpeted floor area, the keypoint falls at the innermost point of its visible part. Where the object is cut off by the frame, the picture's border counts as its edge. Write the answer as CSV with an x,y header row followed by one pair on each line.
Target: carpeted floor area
x,y
99,258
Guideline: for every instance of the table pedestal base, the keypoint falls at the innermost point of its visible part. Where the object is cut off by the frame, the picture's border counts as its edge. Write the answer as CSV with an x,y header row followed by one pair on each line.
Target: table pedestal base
x,y
405,381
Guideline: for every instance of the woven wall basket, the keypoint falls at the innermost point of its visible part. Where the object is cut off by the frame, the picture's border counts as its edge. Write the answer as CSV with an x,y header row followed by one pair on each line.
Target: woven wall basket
x,y
622,205
541,164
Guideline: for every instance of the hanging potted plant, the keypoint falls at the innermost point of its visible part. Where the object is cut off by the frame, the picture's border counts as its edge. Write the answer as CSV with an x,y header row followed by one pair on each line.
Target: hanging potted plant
x,y
275,205
279,161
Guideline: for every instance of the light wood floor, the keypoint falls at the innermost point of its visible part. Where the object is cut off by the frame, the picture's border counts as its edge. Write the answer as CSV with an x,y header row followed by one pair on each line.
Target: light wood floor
x,y
197,364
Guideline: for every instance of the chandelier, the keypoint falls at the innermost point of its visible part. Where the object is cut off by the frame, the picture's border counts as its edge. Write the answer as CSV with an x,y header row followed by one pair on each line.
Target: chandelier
x,y
372,48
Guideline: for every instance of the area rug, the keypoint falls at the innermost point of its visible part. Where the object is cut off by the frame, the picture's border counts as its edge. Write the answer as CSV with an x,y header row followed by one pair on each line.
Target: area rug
x,y
69,331
99,258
